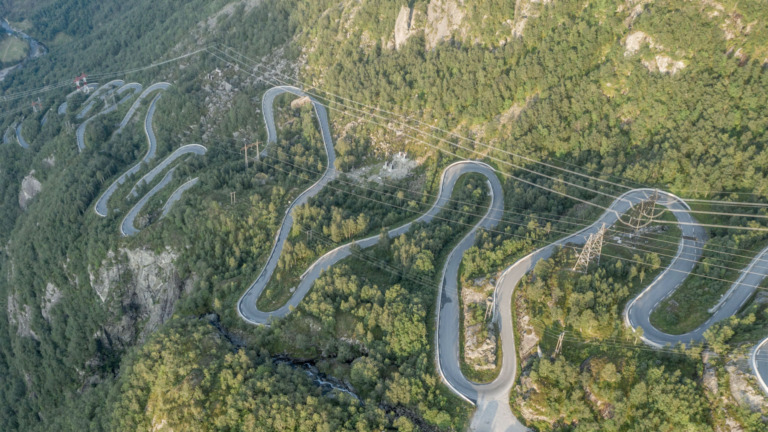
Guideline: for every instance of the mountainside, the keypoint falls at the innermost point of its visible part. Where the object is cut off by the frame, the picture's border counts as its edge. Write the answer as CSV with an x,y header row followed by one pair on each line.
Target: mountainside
x,y
135,215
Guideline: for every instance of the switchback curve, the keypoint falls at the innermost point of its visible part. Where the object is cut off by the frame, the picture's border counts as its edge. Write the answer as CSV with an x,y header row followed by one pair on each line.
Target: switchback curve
x,y
101,204
492,399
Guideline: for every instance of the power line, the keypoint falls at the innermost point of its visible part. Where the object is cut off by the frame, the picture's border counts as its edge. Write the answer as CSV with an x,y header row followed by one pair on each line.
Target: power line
x,y
621,245
68,82
611,342
533,172
450,133
526,238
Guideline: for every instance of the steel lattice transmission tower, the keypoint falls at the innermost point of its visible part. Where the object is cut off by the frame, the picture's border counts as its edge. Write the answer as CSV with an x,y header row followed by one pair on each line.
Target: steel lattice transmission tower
x,y
591,251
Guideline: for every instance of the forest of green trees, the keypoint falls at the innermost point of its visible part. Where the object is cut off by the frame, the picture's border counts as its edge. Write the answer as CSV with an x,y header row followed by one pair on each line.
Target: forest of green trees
x,y
369,320
604,378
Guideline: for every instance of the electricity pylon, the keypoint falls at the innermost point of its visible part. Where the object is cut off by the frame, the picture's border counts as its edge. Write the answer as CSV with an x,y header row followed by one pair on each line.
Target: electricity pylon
x,y
591,251
646,214
559,345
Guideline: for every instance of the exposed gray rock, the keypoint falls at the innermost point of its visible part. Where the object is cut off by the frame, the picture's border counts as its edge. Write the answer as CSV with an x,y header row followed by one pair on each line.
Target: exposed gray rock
x,y
144,285
525,9
52,296
19,317
743,389
664,64
30,187
404,28
443,19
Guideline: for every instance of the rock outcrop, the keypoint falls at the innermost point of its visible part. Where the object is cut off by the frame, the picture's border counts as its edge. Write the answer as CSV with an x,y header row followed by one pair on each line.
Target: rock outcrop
x,y
30,187
404,28
660,62
664,64
19,316
443,20
52,297
144,285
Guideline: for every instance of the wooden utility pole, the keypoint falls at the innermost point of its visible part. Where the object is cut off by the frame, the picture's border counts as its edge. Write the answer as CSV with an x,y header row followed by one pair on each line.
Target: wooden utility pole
x,y
258,152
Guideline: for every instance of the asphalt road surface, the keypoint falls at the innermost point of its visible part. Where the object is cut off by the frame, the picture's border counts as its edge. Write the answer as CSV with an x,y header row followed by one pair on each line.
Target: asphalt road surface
x,y
127,227
135,87
179,152
137,102
176,195
101,204
22,141
492,399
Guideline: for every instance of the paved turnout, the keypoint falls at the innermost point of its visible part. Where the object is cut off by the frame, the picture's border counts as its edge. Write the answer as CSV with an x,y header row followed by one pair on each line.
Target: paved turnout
x,y
101,204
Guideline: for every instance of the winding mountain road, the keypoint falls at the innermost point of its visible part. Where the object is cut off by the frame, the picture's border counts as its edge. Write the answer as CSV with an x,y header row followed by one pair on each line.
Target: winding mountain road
x,y
135,87
246,306
80,132
176,195
179,152
137,102
22,142
101,204
127,227
91,101
492,399
63,107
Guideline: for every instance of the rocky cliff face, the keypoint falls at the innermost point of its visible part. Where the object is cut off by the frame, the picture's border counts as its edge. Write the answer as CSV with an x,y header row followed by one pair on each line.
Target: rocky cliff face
x,y
143,286
19,316
30,187
441,22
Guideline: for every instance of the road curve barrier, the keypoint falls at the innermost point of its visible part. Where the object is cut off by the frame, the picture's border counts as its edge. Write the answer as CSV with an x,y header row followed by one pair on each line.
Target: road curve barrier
x,y
758,360
22,142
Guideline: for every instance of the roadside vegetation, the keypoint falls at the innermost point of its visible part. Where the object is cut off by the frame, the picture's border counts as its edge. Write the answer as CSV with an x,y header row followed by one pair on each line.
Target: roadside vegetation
x,y
564,92
603,377
726,253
